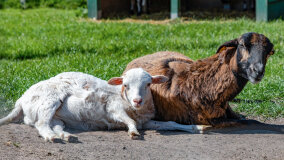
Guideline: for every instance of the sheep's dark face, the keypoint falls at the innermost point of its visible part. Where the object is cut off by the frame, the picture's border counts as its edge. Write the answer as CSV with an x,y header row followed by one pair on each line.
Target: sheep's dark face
x,y
252,53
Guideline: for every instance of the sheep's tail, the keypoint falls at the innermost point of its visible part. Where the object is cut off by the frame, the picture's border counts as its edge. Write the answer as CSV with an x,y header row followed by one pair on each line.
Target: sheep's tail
x,y
16,113
256,125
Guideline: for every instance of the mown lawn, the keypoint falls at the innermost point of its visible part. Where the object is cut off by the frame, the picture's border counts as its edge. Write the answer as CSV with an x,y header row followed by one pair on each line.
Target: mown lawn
x,y
38,44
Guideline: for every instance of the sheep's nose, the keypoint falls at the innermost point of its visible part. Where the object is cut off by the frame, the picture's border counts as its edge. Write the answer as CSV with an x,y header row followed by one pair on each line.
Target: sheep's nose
x,y
258,69
137,100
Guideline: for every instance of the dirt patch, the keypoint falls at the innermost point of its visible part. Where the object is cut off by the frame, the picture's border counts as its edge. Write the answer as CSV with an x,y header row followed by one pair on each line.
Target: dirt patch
x,y
19,141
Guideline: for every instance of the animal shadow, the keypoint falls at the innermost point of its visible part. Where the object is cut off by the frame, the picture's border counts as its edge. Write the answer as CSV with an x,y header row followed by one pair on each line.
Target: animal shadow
x,y
261,128
72,139
258,128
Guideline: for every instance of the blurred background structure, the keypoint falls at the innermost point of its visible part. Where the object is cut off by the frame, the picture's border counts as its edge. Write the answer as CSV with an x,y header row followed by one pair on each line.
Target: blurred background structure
x,y
261,10
264,9
106,7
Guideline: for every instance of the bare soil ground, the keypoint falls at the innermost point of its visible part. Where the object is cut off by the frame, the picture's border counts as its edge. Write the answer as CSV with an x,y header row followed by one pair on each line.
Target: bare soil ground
x,y
19,141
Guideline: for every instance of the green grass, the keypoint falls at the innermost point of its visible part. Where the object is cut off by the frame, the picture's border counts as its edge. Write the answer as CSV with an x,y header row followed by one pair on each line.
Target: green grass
x,y
37,44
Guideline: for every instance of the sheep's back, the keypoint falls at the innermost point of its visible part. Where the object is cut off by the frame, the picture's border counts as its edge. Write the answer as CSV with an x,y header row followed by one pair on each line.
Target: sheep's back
x,y
151,61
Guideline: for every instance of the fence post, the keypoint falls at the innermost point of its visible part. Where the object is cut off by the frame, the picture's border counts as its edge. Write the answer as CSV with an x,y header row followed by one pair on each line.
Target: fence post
x,y
94,9
269,9
174,8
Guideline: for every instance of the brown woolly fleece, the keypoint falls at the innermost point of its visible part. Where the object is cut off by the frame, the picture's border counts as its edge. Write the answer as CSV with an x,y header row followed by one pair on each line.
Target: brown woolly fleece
x,y
197,92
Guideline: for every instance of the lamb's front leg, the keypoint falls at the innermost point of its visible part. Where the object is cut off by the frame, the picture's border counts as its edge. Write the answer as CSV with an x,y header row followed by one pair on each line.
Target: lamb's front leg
x,y
121,116
170,126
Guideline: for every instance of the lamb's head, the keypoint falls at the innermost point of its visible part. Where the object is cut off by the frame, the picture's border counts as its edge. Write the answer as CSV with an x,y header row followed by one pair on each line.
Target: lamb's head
x,y
251,52
135,86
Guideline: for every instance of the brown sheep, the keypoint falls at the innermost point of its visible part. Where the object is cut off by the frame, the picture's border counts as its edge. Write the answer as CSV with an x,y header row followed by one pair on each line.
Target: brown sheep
x,y
198,92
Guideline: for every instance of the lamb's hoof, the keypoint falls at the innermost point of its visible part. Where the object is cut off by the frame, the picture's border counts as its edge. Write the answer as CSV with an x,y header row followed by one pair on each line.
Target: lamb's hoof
x,y
66,138
71,139
50,139
134,135
202,128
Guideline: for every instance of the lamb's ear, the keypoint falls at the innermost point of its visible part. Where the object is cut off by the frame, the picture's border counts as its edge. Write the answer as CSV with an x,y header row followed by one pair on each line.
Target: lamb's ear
x,y
159,79
115,81
233,43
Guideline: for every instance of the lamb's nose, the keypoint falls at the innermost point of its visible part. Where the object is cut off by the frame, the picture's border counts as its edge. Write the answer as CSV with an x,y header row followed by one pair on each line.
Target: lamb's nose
x,y
137,100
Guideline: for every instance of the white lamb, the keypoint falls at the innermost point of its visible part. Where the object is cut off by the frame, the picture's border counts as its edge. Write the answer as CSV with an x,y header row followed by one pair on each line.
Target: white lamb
x,y
82,101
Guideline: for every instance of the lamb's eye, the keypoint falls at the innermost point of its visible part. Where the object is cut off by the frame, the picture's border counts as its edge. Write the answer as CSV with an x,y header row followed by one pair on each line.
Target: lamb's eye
x,y
125,86
148,84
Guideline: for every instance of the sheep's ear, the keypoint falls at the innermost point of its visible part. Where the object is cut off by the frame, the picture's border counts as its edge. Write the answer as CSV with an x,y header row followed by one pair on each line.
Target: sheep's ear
x,y
159,79
233,43
115,81
270,53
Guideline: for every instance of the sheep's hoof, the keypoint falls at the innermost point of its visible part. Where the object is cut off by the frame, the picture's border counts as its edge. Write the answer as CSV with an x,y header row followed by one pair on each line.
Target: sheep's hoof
x,y
134,135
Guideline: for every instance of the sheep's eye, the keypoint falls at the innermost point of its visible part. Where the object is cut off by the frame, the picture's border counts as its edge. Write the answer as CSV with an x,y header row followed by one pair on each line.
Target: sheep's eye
x,y
125,86
148,84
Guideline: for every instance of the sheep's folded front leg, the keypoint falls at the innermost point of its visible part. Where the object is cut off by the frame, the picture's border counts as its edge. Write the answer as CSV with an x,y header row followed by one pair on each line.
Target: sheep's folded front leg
x,y
121,116
170,126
